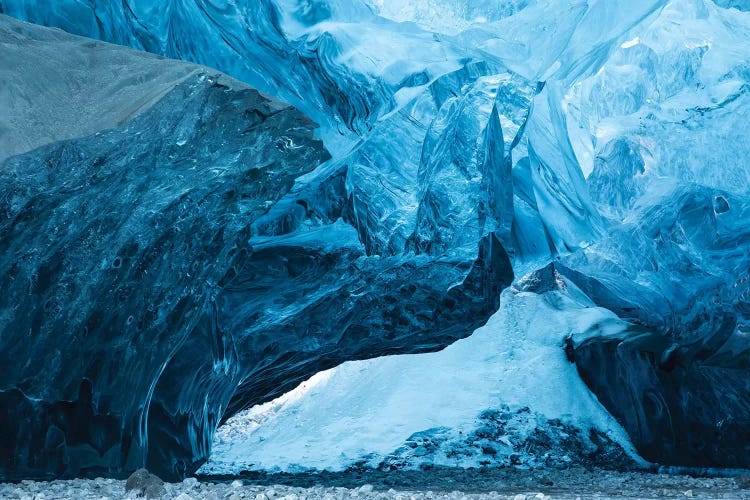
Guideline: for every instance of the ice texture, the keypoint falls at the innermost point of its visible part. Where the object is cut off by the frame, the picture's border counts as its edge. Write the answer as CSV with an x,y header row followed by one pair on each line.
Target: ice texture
x,y
472,146
198,258
506,395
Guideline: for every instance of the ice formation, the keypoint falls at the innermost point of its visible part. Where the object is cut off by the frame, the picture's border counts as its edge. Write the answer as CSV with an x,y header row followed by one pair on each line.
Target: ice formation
x,y
506,395
176,247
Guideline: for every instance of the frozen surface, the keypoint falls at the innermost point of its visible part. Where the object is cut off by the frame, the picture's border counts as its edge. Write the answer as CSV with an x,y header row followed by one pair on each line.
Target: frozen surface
x,y
205,255
414,410
472,146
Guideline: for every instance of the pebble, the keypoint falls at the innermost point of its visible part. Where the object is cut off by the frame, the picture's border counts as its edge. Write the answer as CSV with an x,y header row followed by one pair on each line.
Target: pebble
x,y
190,482
496,484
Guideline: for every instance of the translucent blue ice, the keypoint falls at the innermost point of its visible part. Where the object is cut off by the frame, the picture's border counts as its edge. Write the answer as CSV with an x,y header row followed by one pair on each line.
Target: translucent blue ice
x,y
608,139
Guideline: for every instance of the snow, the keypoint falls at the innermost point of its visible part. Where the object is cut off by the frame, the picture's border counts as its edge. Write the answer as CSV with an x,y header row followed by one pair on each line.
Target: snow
x,y
367,409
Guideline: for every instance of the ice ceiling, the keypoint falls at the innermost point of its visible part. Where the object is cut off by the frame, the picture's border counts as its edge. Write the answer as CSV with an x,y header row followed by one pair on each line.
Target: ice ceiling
x,y
176,247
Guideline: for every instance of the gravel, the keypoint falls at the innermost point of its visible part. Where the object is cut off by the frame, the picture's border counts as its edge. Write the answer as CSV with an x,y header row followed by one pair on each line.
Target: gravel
x,y
405,485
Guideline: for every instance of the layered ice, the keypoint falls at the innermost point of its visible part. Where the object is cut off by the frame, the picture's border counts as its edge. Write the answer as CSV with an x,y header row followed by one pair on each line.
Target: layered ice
x,y
473,146
507,395
205,254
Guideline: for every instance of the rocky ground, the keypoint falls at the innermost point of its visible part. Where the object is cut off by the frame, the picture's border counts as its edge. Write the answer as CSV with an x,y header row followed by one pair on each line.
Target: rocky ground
x,y
406,485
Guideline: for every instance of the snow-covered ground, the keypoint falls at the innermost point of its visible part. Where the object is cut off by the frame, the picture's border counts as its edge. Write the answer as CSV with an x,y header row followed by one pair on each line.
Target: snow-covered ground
x,y
433,408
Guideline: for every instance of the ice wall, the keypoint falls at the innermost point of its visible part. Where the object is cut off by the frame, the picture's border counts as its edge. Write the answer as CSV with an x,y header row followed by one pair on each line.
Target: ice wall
x,y
470,147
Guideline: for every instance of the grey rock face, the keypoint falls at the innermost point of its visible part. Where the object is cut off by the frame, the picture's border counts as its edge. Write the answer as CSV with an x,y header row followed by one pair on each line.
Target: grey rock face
x,y
38,106
164,273
145,484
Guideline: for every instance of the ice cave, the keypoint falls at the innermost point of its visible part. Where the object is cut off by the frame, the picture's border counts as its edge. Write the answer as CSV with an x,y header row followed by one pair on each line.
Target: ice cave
x,y
293,236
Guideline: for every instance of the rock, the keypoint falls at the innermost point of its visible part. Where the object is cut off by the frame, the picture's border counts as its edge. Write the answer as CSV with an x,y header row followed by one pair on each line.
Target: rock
x,y
236,484
183,496
366,488
742,482
143,483
190,482
545,481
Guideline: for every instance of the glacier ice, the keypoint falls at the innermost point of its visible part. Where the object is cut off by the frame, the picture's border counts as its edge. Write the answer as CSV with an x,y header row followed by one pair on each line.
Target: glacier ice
x,y
112,246
505,395
182,241
472,145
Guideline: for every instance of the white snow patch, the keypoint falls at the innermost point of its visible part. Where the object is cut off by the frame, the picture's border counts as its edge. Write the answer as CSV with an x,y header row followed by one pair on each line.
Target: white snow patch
x,y
631,43
369,408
